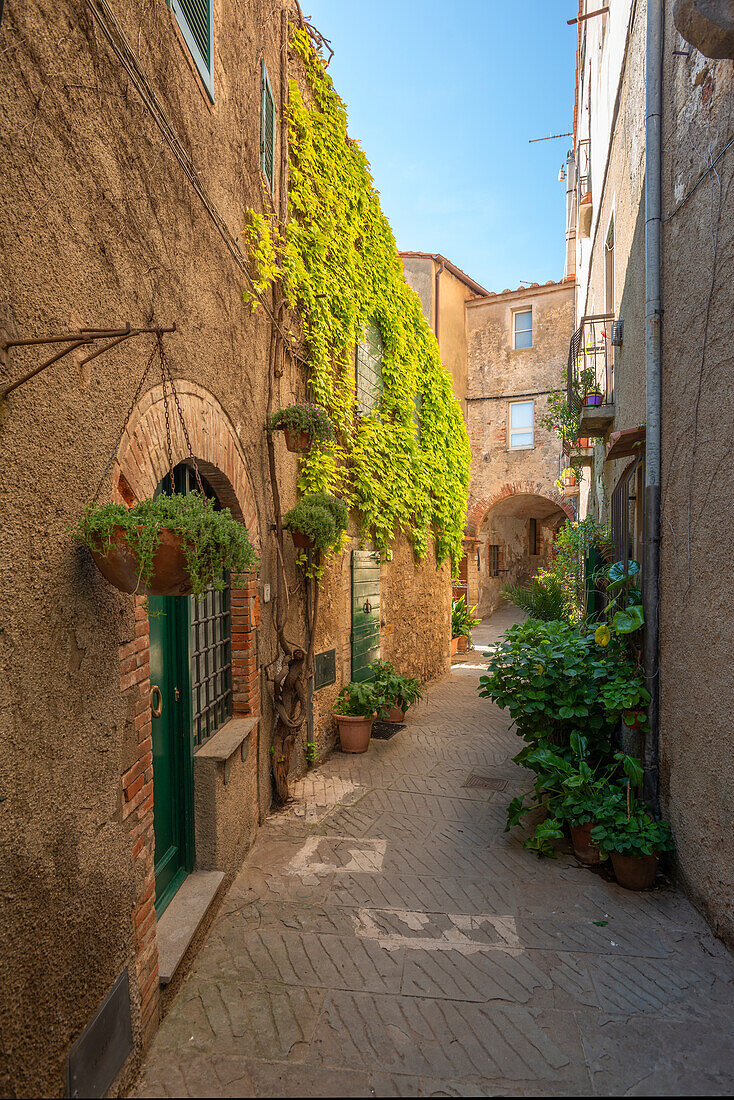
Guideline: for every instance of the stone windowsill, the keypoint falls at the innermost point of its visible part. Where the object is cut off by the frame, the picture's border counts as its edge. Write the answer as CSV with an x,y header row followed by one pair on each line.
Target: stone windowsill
x,y
221,747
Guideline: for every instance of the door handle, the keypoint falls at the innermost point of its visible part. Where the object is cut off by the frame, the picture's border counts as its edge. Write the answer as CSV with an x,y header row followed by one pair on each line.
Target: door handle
x,y
367,607
156,710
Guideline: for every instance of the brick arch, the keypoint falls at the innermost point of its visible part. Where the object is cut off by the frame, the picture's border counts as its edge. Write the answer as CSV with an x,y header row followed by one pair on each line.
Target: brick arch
x,y
142,459
479,510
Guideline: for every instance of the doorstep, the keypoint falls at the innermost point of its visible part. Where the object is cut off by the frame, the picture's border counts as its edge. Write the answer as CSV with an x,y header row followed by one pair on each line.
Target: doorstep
x,y
183,916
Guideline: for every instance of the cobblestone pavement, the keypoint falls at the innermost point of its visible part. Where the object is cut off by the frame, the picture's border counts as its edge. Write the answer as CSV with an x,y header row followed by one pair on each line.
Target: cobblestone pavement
x,y
385,937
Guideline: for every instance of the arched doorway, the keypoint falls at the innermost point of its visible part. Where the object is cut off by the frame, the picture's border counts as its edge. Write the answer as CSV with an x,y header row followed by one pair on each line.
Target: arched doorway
x,y
514,541
191,682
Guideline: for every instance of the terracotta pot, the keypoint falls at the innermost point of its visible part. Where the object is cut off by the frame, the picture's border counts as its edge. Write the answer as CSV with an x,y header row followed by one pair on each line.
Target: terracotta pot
x,y
300,442
569,481
584,848
354,732
170,573
395,714
303,542
635,872
454,646
463,644
583,443
593,398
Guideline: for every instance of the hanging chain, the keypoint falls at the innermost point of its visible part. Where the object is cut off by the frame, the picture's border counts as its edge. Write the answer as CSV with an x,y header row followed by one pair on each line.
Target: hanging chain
x,y
169,445
125,422
183,425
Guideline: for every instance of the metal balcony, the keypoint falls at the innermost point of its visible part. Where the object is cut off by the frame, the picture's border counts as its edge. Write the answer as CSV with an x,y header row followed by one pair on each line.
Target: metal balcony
x,y
591,373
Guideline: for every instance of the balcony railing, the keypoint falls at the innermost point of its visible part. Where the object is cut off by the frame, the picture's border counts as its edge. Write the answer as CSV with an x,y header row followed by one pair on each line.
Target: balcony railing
x,y
591,363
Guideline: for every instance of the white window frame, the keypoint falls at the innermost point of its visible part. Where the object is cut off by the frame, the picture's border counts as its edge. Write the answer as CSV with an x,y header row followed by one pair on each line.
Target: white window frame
x,y
206,72
515,314
520,431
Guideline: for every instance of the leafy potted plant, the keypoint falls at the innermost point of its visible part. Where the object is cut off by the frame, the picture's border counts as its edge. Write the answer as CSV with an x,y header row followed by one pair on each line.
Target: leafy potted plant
x,y
301,425
400,692
168,546
355,709
585,789
462,620
317,522
627,832
593,397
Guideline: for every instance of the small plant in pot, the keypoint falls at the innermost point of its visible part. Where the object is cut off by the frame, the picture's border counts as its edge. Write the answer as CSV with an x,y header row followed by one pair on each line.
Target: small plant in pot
x,y
585,792
627,832
169,546
355,709
400,692
593,397
302,425
568,478
462,621
317,522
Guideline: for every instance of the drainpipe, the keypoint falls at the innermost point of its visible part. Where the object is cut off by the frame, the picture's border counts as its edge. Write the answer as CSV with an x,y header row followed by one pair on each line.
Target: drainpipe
x,y
571,215
435,296
653,378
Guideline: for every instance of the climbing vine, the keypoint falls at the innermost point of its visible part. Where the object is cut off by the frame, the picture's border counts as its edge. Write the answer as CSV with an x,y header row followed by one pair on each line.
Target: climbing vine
x,y
339,265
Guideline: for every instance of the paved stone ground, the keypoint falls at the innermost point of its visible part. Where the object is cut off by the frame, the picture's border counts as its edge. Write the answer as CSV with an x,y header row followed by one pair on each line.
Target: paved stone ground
x,y
385,937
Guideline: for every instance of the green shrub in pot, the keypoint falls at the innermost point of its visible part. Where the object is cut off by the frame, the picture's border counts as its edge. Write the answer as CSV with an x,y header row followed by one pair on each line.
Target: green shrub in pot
x,y
400,691
321,517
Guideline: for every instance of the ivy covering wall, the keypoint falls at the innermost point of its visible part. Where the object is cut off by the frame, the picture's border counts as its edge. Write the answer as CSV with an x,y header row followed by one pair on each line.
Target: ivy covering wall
x,y
339,263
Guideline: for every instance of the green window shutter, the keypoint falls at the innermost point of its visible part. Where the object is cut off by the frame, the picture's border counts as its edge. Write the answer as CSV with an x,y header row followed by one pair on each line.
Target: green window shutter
x,y
196,21
368,370
267,128
365,613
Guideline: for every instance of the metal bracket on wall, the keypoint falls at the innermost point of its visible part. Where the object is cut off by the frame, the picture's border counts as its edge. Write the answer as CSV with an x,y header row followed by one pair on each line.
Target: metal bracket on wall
x,y
74,340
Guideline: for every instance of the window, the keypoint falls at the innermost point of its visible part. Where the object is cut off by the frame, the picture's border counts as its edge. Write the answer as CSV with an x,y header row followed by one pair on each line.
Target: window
x,y
493,561
368,370
522,433
267,128
532,536
196,21
523,322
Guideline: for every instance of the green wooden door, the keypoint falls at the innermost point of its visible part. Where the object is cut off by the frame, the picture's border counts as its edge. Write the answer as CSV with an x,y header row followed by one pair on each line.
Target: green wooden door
x,y
172,745
365,612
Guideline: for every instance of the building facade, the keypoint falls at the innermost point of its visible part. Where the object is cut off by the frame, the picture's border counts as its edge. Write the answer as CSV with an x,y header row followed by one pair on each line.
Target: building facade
x,y
680,342
136,138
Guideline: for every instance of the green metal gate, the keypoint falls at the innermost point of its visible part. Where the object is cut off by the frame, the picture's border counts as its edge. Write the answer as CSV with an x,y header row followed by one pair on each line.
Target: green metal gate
x,y
365,612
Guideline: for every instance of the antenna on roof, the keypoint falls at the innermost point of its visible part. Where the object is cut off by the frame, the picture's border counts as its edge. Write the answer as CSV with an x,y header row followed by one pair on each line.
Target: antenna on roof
x,y
551,137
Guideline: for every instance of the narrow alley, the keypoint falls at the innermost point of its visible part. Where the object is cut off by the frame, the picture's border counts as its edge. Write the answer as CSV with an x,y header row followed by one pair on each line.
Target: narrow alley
x,y
386,937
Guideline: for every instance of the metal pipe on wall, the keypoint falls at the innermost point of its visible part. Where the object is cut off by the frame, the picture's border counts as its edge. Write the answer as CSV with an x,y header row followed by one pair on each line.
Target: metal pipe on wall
x,y
653,378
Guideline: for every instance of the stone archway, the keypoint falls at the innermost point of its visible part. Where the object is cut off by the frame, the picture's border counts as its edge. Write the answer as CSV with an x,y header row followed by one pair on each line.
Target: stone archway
x,y
513,533
142,461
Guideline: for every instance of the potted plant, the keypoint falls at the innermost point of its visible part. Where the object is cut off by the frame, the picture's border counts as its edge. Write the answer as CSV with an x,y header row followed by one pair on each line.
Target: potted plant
x,y
301,425
568,479
317,522
169,546
462,620
400,692
627,832
583,443
355,709
593,397
586,789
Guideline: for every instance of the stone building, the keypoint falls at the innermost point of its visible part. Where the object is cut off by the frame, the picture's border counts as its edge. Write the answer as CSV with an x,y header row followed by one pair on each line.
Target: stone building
x,y
506,353
664,493
135,138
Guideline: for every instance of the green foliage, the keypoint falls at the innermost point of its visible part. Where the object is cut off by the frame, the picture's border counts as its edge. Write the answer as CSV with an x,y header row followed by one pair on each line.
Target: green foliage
x,y
563,417
312,753
322,517
398,690
557,682
340,266
462,618
212,540
543,599
361,699
262,238
631,833
306,417
572,545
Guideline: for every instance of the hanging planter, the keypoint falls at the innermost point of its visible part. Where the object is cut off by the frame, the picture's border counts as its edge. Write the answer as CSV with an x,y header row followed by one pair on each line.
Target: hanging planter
x,y
169,546
317,522
302,425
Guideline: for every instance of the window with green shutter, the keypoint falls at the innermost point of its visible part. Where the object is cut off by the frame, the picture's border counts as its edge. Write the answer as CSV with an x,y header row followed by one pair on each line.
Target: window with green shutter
x,y
196,22
267,128
368,370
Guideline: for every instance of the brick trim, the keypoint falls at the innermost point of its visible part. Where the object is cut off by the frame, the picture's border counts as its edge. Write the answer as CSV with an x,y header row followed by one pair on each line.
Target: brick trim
x,y
479,510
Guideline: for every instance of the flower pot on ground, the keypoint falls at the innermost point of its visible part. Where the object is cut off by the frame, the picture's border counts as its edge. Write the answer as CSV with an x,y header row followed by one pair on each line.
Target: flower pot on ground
x,y
584,848
302,425
317,522
355,709
635,872
399,692
454,646
463,645
462,621
169,546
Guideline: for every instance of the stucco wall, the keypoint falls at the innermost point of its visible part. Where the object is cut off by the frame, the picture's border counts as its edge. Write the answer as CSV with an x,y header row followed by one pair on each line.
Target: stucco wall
x,y
697,589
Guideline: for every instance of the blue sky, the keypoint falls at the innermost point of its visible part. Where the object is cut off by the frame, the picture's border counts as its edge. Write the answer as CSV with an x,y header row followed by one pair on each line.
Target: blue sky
x,y
443,97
